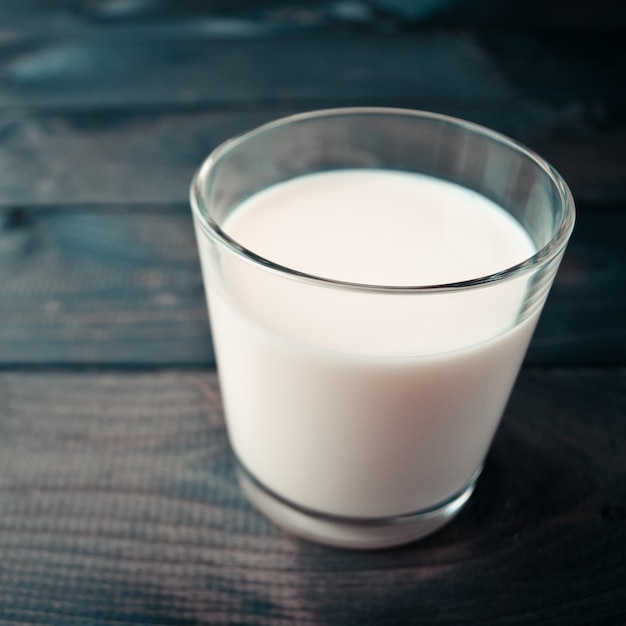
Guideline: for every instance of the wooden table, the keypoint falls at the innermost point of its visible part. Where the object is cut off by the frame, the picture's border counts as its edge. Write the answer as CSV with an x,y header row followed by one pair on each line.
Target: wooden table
x,y
118,501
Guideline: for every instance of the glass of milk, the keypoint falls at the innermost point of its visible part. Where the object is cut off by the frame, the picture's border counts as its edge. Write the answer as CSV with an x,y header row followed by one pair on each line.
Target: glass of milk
x,y
373,279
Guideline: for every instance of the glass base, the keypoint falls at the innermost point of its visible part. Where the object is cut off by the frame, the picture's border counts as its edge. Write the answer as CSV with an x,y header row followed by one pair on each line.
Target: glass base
x,y
352,532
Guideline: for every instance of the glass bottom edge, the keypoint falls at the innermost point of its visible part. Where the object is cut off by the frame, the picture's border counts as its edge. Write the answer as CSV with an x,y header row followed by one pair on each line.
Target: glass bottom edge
x,y
347,532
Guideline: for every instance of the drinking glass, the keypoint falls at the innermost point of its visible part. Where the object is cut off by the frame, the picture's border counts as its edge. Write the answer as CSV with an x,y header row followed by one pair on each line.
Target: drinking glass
x,y
366,423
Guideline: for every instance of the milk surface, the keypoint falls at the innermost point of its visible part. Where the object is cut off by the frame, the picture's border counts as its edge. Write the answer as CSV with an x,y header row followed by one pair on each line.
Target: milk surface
x,y
380,227
357,402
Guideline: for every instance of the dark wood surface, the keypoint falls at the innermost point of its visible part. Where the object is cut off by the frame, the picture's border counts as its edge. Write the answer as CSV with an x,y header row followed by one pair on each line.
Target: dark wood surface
x,y
118,502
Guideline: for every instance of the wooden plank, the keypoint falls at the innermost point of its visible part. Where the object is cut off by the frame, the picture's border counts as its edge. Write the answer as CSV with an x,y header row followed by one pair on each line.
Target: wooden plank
x,y
146,66
115,157
118,504
246,17
123,287
101,288
125,157
197,71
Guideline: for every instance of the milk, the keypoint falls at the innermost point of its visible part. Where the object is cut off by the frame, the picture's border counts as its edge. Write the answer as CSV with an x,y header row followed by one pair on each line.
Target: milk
x,y
367,402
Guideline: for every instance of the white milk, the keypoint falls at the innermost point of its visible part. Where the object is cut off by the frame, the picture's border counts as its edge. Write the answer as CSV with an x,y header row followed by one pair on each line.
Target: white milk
x,y
364,403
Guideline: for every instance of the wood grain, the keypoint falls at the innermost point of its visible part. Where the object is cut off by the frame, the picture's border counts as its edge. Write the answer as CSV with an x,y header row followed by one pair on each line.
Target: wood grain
x,y
122,157
118,504
272,16
118,500
101,287
220,72
122,286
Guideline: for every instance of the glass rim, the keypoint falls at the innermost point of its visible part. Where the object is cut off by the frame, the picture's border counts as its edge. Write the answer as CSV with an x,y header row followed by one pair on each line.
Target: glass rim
x,y
541,257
